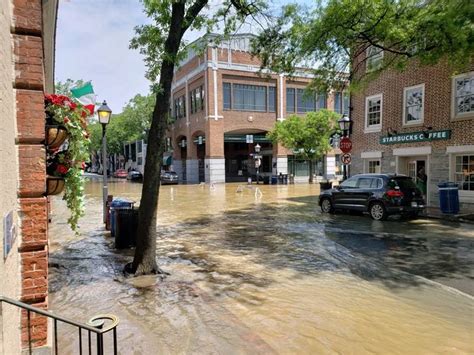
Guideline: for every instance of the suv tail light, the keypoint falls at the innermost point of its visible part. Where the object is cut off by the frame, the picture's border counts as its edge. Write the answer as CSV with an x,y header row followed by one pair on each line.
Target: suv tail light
x,y
394,193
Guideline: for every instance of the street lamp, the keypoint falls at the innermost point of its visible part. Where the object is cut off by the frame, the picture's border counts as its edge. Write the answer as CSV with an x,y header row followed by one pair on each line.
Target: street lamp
x,y
104,113
345,124
257,159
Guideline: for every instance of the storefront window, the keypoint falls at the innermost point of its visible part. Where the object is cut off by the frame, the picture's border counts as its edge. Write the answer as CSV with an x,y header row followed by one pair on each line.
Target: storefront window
x,y
300,167
464,173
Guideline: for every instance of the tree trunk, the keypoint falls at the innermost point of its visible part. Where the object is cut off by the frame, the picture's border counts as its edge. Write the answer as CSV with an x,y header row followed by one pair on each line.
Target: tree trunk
x,y
311,171
144,261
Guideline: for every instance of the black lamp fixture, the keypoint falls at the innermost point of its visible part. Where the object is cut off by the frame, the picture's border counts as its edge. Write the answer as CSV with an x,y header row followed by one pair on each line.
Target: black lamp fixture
x,y
426,131
104,112
345,123
391,132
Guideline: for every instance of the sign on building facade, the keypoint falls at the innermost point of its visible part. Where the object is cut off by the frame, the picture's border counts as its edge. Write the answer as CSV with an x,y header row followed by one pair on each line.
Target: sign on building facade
x,y
414,137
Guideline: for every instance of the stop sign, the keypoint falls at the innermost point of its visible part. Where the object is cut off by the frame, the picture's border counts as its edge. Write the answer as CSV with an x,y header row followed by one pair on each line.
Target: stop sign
x,y
345,145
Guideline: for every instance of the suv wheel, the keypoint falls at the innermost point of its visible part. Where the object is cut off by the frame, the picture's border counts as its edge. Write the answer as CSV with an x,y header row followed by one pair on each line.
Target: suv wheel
x,y
377,211
326,206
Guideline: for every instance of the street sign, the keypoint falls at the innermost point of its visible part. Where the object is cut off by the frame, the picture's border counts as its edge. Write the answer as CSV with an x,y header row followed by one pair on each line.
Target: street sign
x,y
346,158
345,145
249,138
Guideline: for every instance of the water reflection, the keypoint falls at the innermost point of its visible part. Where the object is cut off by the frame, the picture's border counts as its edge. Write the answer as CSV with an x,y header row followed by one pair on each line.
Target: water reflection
x,y
269,274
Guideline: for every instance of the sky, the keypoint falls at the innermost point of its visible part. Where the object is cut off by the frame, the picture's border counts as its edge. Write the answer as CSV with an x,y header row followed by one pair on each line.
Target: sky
x,y
92,41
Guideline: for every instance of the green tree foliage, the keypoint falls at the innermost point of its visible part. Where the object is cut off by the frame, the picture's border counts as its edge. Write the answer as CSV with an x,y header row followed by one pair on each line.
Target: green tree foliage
x,y
336,30
307,136
129,125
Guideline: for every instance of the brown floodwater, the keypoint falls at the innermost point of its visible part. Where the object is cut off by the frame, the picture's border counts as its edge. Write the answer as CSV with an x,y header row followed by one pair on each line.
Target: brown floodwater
x,y
267,273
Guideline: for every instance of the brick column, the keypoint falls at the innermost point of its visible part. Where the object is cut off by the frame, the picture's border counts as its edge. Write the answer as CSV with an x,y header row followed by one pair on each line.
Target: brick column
x,y
28,84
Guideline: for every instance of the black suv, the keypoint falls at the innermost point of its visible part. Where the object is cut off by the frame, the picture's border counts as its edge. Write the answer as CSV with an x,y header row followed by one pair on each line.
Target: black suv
x,y
379,194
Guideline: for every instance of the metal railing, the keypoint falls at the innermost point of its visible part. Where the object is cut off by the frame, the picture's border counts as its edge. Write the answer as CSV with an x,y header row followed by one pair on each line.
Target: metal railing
x,y
94,325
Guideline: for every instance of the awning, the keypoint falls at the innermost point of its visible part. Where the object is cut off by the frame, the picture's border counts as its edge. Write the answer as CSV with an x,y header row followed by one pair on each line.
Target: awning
x,y
167,159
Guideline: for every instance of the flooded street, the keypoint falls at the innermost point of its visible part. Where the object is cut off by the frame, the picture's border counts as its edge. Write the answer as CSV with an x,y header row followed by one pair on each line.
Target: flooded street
x,y
268,274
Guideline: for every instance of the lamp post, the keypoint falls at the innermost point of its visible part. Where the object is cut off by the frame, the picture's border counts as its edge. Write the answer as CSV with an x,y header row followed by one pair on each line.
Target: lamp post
x,y
257,158
345,124
104,113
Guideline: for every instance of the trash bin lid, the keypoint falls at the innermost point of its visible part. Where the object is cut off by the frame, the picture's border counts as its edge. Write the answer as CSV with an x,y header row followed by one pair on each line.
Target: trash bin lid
x,y
443,184
119,202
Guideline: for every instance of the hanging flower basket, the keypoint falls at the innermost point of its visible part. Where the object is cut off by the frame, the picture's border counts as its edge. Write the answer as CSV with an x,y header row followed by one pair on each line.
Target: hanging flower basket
x,y
67,119
55,136
54,185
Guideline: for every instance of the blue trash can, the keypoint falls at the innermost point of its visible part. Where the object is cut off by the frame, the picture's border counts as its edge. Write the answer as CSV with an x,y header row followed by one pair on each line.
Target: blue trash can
x,y
274,180
448,197
115,205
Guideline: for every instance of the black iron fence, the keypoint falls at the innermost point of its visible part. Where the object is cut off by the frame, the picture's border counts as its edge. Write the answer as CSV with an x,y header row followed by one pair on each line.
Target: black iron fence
x,y
96,325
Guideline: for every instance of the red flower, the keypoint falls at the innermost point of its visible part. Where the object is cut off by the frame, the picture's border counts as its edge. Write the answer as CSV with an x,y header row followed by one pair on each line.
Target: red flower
x,y
83,165
72,106
62,169
66,120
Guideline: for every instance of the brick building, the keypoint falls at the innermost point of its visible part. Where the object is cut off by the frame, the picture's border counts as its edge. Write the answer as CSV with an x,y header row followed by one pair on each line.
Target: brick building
x,y
421,119
27,32
220,103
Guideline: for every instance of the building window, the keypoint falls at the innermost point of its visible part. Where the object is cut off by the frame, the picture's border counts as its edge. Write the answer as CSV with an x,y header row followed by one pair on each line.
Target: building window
x,y
374,58
464,172
322,103
338,102
249,97
180,107
463,91
373,112
345,104
305,102
413,104
373,166
196,99
271,99
227,96
297,100
290,100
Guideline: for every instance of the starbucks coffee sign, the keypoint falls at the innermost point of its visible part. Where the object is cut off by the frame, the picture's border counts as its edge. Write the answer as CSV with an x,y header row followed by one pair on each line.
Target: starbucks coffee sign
x,y
414,137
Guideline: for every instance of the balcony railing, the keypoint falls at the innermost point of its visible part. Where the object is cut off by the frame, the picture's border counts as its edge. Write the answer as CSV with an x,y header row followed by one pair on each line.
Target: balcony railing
x,y
95,325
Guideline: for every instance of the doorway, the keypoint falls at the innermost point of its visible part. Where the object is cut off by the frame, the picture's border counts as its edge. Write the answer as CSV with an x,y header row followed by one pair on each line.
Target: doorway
x,y
416,167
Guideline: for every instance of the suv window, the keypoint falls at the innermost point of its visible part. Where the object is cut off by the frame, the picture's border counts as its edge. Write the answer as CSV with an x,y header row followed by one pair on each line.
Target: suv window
x,y
405,183
365,183
350,183
369,183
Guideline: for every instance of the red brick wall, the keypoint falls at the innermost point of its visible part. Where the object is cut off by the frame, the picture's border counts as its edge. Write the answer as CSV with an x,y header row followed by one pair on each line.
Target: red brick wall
x,y
437,108
230,120
27,42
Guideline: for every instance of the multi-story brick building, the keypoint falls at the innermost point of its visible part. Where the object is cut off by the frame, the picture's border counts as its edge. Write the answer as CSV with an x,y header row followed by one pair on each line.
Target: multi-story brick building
x,y
220,103
27,32
419,122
